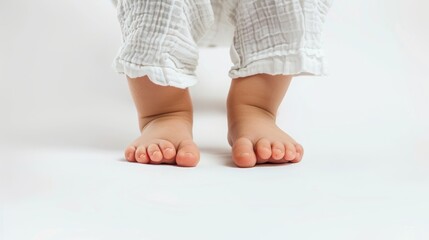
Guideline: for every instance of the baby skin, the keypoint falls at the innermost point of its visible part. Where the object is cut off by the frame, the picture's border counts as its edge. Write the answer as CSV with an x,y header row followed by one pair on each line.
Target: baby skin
x,y
165,120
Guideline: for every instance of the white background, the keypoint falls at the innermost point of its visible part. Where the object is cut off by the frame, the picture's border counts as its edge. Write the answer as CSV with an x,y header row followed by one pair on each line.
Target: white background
x,y
65,117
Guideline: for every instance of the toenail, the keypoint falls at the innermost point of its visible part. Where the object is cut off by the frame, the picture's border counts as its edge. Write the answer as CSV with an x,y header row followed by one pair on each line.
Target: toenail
x,y
289,153
278,151
130,156
266,149
189,154
142,156
168,149
246,154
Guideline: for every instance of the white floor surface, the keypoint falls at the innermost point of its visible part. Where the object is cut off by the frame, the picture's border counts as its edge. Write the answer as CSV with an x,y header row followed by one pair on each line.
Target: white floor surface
x,y
65,117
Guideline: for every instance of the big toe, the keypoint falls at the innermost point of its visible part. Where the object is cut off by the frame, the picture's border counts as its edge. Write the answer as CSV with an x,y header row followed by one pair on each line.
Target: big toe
x,y
243,154
188,154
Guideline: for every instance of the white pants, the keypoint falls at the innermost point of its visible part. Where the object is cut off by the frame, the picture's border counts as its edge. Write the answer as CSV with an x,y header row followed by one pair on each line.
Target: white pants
x,y
161,37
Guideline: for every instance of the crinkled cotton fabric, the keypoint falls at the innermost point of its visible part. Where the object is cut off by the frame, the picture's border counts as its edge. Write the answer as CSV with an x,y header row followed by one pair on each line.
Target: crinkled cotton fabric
x,y
161,38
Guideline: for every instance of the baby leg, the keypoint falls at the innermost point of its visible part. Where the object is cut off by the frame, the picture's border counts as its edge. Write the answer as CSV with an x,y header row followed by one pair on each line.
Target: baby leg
x,y
273,41
165,120
159,56
253,134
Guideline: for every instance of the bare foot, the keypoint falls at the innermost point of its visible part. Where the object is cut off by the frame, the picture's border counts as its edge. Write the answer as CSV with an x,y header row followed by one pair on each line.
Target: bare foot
x,y
165,119
253,134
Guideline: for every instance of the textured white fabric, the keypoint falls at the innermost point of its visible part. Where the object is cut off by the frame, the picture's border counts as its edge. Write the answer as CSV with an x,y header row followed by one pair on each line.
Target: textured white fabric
x,y
161,38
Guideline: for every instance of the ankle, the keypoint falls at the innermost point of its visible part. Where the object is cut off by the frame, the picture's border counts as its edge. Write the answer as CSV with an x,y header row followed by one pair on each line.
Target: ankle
x,y
246,112
156,103
261,94
184,117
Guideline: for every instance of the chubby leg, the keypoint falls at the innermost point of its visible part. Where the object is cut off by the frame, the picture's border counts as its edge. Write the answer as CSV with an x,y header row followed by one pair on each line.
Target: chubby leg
x,y
252,131
165,120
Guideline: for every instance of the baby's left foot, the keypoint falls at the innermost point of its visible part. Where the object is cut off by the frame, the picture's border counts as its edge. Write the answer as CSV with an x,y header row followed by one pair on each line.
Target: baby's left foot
x,y
256,139
252,132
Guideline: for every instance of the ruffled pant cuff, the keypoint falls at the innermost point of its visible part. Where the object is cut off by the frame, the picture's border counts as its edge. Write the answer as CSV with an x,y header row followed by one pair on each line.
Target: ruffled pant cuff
x,y
162,76
295,63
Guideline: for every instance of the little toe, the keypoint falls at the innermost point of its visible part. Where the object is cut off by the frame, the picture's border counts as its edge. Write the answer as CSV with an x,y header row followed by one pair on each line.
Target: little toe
x,y
278,150
130,153
299,153
263,150
290,152
188,154
155,153
243,154
168,150
141,155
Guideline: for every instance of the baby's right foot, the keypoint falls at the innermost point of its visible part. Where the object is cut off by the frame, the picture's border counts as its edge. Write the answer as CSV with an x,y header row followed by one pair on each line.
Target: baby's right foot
x,y
165,139
165,118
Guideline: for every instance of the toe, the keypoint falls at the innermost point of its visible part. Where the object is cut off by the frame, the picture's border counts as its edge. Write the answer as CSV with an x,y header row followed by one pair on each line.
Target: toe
x,y
290,152
263,150
155,153
243,154
130,153
299,153
188,154
167,149
278,150
141,155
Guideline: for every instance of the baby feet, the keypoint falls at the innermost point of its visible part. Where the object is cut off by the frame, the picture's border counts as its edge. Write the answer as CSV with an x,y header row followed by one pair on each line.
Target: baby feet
x,y
165,117
254,140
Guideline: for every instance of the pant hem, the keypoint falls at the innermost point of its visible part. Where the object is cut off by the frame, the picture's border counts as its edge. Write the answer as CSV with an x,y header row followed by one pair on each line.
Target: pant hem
x,y
162,76
297,64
